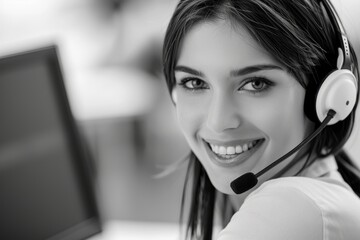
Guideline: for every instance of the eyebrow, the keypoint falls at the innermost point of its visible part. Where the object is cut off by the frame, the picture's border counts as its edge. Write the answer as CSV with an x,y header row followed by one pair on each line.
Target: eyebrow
x,y
181,68
252,69
233,73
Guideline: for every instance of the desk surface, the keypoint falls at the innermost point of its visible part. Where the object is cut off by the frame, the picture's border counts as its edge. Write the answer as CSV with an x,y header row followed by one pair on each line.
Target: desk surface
x,y
115,230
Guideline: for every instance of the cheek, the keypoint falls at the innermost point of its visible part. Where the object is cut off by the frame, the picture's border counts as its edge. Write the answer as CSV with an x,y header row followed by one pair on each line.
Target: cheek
x,y
190,115
185,121
282,118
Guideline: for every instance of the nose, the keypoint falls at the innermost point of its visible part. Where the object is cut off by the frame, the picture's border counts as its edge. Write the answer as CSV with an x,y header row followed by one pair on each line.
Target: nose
x,y
223,113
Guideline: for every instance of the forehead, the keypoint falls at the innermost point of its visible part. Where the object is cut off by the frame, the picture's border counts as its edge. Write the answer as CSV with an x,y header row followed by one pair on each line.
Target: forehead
x,y
220,44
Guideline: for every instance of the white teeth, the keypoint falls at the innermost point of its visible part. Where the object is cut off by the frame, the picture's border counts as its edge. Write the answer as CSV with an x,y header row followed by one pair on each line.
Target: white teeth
x,y
245,147
238,149
232,150
222,150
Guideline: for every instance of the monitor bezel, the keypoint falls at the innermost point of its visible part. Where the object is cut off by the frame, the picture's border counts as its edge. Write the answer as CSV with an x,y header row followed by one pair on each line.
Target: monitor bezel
x,y
84,163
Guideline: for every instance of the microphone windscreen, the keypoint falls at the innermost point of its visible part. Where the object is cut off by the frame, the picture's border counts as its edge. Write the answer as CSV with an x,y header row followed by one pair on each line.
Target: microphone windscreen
x,y
244,183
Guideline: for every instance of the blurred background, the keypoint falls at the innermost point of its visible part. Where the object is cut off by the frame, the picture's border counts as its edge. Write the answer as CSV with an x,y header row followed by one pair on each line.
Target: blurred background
x,y
111,56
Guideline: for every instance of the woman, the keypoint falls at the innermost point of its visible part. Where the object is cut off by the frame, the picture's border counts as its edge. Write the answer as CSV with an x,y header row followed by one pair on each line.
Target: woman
x,y
243,76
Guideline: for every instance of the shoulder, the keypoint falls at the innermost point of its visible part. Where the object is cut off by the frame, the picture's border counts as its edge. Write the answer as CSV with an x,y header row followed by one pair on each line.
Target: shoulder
x,y
296,208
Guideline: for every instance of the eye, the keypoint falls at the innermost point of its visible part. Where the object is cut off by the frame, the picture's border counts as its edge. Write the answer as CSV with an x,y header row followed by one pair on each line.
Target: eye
x,y
193,84
256,84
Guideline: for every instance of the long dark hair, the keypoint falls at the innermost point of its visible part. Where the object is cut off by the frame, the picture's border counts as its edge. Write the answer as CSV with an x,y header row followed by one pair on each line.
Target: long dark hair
x,y
300,36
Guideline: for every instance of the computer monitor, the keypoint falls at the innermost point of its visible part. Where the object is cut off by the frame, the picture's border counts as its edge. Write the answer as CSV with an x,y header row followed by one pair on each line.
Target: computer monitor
x,y
46,185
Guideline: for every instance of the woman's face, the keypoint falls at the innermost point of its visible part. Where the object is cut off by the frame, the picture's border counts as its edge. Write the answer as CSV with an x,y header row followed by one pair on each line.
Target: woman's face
x,y
237,107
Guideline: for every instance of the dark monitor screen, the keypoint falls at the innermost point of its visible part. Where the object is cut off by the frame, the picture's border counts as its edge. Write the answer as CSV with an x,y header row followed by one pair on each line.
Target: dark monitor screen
x,y
46,190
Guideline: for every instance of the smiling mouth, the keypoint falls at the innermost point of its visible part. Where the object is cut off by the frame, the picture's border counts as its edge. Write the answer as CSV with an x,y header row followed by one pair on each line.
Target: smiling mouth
x,y
232,155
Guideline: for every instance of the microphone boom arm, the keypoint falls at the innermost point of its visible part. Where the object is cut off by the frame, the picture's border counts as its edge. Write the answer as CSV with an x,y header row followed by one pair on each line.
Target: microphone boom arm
x,y
331,113
249,179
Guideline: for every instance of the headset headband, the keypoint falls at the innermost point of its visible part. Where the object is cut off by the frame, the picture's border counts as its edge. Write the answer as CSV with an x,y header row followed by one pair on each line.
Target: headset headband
x,y
334,18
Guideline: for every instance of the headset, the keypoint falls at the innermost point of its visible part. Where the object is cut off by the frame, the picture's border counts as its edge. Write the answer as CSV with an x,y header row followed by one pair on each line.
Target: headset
x,y
338,91
334,99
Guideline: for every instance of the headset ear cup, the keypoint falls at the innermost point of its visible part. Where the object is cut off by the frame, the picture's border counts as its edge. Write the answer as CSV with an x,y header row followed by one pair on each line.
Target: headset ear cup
x,y
339,93
310,100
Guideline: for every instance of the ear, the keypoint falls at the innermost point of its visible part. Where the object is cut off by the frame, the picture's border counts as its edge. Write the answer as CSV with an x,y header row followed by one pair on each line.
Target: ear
x,y
174,95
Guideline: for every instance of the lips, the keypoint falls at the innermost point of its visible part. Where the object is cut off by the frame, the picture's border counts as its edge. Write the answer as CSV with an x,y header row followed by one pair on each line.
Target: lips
x,y
228,155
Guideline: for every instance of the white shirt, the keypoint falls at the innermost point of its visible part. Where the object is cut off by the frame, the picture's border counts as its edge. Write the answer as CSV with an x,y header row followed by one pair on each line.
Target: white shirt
x,y
318,205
